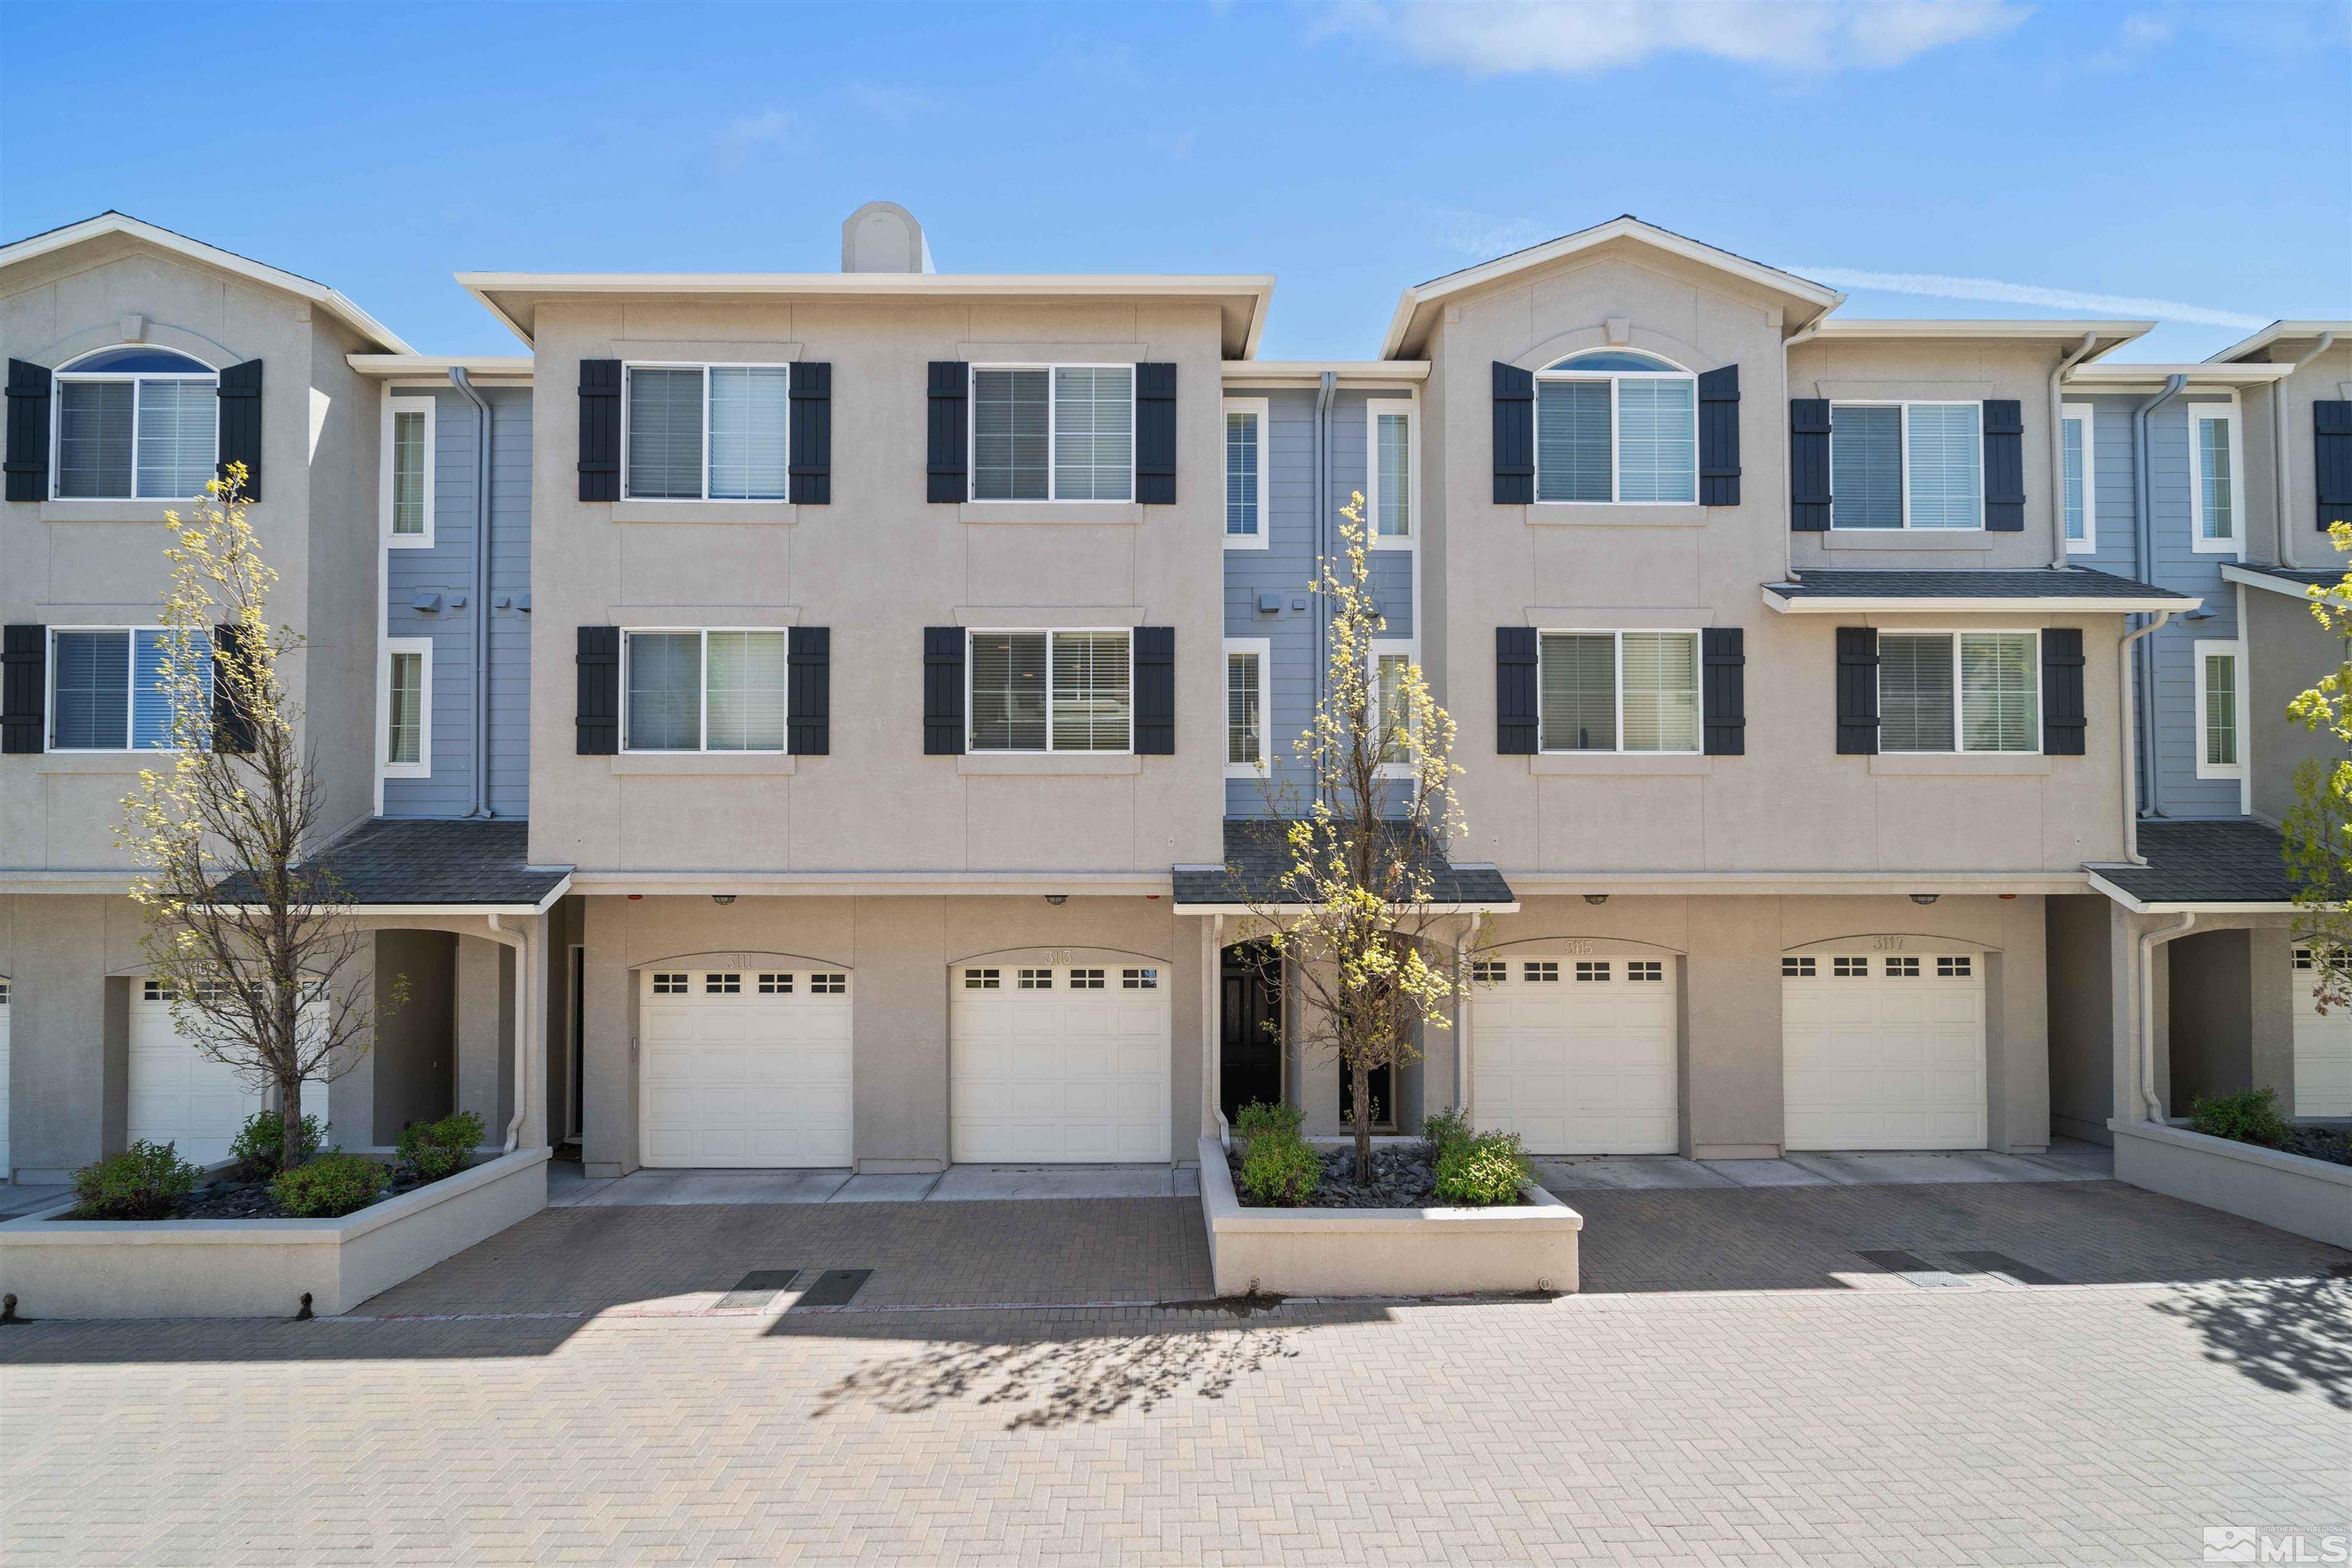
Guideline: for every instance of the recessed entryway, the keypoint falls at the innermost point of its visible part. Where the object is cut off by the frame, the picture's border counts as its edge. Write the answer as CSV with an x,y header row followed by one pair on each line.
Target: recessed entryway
x,y
1058,1061
1576,1052
745,1068
1883,1048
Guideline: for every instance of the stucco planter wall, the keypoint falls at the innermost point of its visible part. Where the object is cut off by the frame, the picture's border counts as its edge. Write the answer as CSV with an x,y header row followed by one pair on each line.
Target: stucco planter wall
x,y
259,1267
2293,1191
1384,1252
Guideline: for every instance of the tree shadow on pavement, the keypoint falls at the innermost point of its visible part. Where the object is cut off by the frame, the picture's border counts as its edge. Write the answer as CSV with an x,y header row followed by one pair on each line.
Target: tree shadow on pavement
x,y
2287,1334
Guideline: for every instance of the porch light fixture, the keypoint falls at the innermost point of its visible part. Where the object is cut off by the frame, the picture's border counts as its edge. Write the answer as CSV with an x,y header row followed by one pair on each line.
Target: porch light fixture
x,y
1596,898
1924,898
1057,899
722,899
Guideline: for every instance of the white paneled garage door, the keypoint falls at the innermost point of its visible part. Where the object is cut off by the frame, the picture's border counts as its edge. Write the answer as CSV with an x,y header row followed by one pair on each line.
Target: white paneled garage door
x,y
1058,1062
181,1096
2323,1050
5,1168
744,1068
1883,1050
1576,1055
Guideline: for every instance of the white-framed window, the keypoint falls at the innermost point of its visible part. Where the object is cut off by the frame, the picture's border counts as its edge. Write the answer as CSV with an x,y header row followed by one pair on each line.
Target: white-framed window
x,y
106,691
2221,694
1050,690
1616,425
1053,432
1391,657
2216,526
1248,665
1619,690
1906,465
1959,691
404,708
2078,427
1249,519
1392,473
718,688
405,496
134,423
706,432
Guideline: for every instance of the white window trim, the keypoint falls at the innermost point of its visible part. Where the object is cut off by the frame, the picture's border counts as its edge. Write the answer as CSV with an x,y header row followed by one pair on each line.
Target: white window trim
x,y
702,710
59,377
394,407
1903,450
1049,633
1616,467
2087,413
130,713
1263,407
1383,648
702,478
2236,545
2235,650
1264,648
1617,653
1053,436
385,766
1959,712
1410,406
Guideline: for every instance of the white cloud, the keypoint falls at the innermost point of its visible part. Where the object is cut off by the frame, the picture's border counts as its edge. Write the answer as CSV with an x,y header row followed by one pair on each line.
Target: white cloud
x,y
753,133
1584,37
1941,285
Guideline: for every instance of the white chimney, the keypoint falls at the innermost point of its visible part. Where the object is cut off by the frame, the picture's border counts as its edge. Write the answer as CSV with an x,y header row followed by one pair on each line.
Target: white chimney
x,y
883,237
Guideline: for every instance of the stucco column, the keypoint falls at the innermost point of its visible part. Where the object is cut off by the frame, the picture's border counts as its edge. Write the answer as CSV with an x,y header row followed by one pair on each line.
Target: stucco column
x,y
2019,1082
68,1048
1731,1037
486,1033
533,979
608,1117
350,1093
2271,980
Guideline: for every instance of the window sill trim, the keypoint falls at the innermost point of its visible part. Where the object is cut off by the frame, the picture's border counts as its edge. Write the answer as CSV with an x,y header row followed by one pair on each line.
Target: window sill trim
x,y
408,541
1247,541
113,765
1048,764
1248,773
1622,764
770,513
394,771
1614,514
703,765
117,512
1959,765
1101,513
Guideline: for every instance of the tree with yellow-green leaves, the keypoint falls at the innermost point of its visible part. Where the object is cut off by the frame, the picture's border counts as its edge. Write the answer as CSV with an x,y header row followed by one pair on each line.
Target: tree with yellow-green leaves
x,y
251,943
2317,829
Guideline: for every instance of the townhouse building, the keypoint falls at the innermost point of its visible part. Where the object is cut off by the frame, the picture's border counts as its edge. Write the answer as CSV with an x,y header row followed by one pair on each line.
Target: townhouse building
x,y
831,719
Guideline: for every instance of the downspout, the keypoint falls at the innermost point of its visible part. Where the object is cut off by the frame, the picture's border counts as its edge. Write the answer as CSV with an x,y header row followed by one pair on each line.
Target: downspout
x,y
1789,535
519,940
2152,1108
2058,450
1462,1014
1326,392
2281,483
457,379
2124,703
2144,544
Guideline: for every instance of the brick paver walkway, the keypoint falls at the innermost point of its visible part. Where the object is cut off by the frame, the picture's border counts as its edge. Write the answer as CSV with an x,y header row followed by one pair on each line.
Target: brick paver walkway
x,y
1988,1422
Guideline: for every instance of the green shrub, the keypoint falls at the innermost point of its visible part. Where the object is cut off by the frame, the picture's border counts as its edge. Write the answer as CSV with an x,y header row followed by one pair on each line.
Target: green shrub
x,y
1484,1172
432,1150
2250,1115
1442,1130
1280,1170
146,1180
328,1187
262,1139
1260,1117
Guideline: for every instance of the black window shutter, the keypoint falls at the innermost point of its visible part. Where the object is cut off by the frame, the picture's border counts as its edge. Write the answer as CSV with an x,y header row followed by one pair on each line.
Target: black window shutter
x,y
811,433
2062,721
1809,465
1516,719
2004,465
1858,691
1515,434
1155,691
1723,653
24,688
2331,460
232,725
240,423
942,683
950,478
28,431
808,695
1155,434
1718,437
599,438
598,720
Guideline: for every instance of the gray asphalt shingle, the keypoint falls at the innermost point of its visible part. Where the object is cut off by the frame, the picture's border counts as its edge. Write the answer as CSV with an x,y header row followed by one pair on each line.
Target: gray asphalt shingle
x,y
396,861
2221,862
2031,583
1256,852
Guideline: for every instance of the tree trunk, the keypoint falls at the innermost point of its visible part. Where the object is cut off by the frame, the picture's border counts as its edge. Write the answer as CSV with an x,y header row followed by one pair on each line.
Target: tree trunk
x,y
289,1116
1363,1123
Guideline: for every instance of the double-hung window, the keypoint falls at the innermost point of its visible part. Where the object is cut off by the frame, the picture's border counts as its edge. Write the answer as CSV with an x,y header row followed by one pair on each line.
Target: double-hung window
x,y
1390,508
710,691
1051,691
2220,711
406,501
1906,465
1619,691
110,688
708,431
1616,425
1959,691
1061,432
1247,522
2213,470
1390,714
136,422
408,721
2076,426
1247,662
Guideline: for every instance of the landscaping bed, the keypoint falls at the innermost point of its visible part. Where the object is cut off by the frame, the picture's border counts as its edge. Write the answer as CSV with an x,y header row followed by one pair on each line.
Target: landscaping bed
x,y
233,1199
2333,1144
1402,1178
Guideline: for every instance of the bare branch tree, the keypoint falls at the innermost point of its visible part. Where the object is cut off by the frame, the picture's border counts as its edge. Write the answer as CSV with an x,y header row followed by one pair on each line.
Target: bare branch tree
x,y
2317,829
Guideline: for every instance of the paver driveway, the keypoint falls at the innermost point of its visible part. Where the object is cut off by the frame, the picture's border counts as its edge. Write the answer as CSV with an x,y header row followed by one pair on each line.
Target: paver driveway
x,y
1738,1385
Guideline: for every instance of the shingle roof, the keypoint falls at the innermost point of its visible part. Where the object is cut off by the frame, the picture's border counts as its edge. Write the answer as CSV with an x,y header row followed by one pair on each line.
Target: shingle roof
x,y
396,861
2296,574
1256,852
2028,583
2230,861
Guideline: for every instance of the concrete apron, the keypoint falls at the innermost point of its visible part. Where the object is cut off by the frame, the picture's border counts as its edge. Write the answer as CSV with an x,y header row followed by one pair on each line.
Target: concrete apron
x,y
566,1189
1650,1173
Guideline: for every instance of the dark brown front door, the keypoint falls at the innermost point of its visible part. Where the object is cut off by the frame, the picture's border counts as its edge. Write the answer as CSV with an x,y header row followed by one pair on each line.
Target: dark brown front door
x,y
1384,1101
1250,1049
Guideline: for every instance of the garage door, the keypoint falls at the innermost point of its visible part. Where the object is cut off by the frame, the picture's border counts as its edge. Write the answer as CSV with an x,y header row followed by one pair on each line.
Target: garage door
x,y
1883,1050
1058,1063
744,1068
1577,1056
181,1096
2323,1050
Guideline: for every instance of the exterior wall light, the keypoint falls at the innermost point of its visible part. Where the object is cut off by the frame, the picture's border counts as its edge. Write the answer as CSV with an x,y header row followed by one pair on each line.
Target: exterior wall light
x,y
722,899
1057,899
1924,898
1596,898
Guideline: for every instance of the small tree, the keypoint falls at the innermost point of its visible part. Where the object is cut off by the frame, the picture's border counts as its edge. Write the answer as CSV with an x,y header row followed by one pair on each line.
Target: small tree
x,y
1349,908
2317,829
247,940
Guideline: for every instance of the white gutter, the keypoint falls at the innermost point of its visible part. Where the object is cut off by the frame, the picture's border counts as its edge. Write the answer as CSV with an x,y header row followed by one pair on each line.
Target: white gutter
x,y
2280,483
520,942
2131,737
2144,544
457,379
1789,534
2152,1106
2058,448
2085,604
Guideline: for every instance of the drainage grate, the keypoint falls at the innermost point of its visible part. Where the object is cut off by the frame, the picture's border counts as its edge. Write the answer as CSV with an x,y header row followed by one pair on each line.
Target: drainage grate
x,y
1915,1269
834,1287
758,1288
2005,1267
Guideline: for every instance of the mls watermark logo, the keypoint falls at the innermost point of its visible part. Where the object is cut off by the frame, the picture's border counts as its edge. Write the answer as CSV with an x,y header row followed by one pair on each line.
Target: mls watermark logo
x,y
2244,1543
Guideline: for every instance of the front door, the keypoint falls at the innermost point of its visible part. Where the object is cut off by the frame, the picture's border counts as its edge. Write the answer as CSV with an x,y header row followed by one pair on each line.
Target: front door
x,y
1383,1100
1250,1049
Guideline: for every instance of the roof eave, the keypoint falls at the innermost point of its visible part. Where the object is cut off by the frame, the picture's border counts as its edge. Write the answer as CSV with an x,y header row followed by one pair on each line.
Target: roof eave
x,y
2140,906
2277,331
2001,603
2111,335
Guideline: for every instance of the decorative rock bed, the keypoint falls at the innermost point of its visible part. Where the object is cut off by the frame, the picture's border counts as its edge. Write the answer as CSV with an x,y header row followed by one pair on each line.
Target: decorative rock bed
x,y
1404,1177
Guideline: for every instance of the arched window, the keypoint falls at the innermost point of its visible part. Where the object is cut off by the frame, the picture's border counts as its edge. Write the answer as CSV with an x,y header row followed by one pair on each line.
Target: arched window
x,y
1616,425
136,422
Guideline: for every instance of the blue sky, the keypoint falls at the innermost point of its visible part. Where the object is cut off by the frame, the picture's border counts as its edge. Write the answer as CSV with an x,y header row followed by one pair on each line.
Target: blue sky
x,y
2113,155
